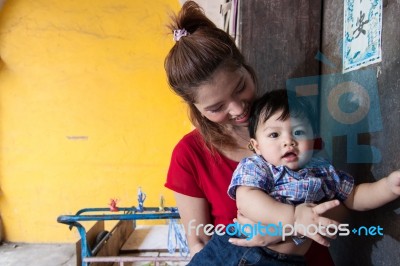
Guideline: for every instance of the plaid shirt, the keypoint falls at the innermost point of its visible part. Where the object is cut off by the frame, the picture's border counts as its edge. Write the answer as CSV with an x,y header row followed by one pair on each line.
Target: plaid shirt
x,y
318,181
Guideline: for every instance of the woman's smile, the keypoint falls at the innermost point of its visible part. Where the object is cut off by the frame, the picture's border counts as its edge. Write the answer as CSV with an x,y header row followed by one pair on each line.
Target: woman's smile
x,y
244,116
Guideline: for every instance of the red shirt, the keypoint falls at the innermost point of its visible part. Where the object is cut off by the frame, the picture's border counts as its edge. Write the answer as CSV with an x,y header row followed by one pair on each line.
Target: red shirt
x,y
195,172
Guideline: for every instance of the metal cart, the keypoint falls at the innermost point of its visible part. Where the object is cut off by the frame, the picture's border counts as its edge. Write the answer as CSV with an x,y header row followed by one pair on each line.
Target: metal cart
x,y
126,217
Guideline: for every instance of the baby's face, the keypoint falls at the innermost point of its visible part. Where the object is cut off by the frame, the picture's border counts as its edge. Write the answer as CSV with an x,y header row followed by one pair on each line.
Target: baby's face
x,y
289,142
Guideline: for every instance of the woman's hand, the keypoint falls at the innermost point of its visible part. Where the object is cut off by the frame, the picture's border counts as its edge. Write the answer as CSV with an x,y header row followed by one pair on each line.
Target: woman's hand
x,y
257,240
307,214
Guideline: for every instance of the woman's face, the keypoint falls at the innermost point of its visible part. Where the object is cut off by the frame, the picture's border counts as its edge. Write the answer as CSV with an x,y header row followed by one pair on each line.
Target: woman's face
x,y
227,97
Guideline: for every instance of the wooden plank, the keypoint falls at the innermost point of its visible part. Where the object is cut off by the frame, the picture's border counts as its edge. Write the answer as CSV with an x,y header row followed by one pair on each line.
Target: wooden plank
x,y
280,38
147,238
113,245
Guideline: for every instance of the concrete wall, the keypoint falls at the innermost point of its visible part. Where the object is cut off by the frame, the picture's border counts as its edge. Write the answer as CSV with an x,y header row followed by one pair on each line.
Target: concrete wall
x,y
86,114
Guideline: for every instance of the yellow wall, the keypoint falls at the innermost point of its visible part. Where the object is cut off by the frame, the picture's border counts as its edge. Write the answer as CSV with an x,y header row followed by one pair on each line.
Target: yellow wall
x,y
86,114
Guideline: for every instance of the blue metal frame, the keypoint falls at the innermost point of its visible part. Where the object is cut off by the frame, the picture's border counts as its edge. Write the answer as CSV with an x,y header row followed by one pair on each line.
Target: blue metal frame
x,y
131,213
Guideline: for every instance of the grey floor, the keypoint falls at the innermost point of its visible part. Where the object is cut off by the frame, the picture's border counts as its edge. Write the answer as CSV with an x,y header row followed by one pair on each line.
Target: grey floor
x,y
144,238
13,254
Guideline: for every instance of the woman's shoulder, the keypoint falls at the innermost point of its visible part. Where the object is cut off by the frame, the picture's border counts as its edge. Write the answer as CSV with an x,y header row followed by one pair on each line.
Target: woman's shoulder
x,y
192,141
192,136
192,147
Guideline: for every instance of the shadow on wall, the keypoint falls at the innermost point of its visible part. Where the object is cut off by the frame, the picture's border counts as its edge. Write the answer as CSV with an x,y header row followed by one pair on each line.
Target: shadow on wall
x,y
1,231
2,3
362,152
1,66
366,245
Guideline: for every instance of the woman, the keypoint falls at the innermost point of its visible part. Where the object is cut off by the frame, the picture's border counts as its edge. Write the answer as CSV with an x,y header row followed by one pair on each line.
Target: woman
x,y
207,70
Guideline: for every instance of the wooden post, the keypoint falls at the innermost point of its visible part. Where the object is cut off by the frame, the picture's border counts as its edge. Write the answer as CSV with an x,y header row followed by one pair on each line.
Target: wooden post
x,y
280,38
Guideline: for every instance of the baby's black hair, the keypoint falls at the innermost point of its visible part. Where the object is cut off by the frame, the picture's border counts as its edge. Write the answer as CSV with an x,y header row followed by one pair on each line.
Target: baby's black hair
x,y
279,100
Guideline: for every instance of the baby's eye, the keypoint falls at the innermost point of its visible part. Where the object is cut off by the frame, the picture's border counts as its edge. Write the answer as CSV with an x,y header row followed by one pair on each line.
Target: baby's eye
x,y
299,132
273,135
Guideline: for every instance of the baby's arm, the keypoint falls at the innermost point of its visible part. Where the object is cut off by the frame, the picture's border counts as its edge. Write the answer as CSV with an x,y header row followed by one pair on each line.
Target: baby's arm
x,y
251,182
258,206
369,196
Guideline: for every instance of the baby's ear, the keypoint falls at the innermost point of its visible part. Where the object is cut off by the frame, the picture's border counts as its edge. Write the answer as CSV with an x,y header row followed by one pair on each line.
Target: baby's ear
x,y
318,143
253,146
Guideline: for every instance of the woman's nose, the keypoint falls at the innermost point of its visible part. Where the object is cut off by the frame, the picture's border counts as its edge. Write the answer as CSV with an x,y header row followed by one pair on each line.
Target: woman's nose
x,y
236,108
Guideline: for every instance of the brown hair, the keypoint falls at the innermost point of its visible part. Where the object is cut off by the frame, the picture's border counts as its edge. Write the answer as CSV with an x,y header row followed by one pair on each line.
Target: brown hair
x,y
284,101
193,60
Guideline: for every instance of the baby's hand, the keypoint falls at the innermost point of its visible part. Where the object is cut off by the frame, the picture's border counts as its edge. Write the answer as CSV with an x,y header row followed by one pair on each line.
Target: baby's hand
x,y
394,182
311,214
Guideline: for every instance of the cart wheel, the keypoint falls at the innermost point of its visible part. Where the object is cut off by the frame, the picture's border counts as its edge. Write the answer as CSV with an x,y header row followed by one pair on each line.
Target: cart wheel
x,y
100,237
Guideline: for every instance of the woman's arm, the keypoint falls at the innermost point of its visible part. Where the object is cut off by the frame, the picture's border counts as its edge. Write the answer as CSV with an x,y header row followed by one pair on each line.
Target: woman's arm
x,y
193,212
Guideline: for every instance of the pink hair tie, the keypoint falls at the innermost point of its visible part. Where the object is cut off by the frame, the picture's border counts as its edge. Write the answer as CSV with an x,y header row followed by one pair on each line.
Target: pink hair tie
x,y
178,34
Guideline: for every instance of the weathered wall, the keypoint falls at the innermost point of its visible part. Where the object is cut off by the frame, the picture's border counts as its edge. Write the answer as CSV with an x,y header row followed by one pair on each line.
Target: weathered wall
x,y
281,39
370,250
